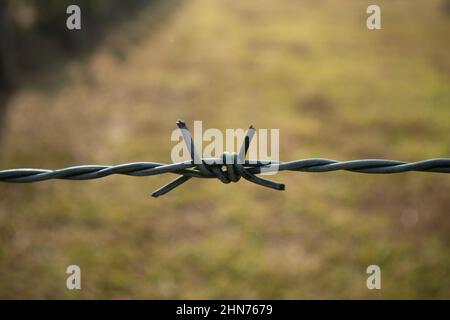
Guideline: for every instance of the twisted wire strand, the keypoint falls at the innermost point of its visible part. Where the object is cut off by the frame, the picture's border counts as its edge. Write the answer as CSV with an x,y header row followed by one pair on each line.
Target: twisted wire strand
x,y
227,169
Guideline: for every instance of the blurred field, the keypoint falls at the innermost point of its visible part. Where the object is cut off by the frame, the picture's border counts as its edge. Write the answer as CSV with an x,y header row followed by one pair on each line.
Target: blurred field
x,y
310,68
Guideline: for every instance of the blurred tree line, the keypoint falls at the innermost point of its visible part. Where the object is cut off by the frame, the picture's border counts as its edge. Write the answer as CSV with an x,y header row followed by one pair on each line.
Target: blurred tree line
x,y
33,29
33,35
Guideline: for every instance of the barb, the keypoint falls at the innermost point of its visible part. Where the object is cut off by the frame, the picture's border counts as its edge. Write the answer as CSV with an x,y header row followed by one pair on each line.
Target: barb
x,y
228,168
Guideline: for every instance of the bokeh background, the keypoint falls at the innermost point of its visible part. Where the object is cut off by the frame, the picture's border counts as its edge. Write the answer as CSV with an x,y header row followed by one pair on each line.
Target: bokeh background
x,y
112,92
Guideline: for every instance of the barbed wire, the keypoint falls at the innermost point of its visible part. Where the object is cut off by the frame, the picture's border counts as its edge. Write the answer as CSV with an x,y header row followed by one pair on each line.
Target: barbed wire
x,y
228,168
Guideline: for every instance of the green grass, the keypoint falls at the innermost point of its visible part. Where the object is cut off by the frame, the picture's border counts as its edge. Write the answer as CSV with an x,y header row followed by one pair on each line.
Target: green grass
x,y
311,69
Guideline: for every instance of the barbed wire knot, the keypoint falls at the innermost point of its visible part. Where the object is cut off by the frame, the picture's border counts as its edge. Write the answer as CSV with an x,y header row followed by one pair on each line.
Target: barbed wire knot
x,y
228,168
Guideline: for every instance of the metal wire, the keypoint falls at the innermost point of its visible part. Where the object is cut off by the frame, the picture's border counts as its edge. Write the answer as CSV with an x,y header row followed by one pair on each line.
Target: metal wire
x,y
227,168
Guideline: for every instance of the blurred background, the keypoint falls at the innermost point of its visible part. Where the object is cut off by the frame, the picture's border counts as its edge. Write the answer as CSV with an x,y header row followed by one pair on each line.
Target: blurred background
x,y
111,93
